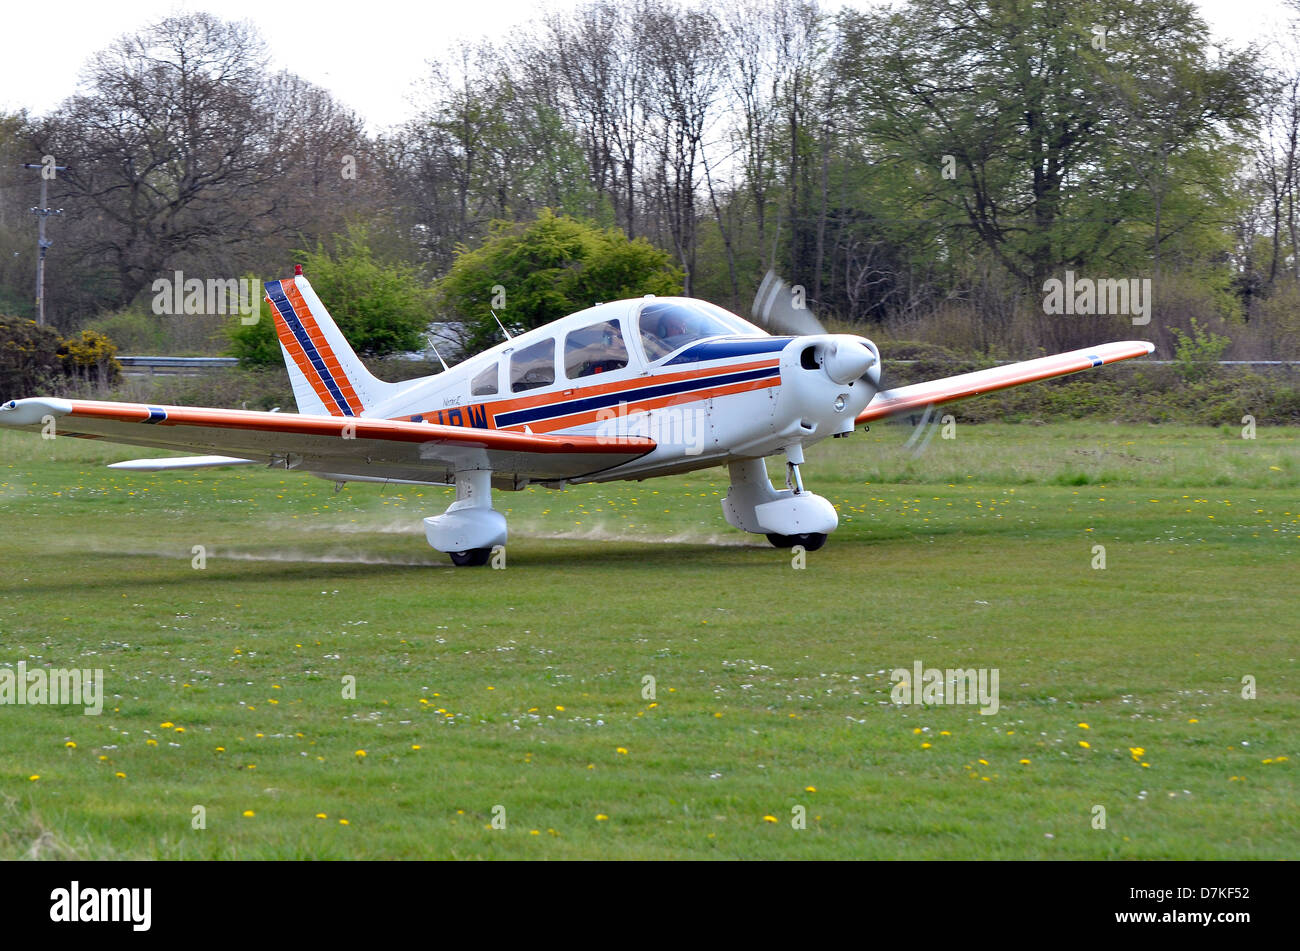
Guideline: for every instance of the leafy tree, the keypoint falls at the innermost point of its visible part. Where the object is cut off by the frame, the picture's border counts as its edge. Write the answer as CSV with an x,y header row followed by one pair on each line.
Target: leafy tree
x,y
545,270
1026,132
381,308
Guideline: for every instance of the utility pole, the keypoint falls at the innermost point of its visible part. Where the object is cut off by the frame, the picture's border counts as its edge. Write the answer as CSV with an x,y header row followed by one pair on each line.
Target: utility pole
x,y
48,171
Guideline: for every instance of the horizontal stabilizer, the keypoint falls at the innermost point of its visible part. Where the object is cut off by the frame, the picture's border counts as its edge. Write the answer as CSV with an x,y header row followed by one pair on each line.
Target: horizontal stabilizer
x,y
180,462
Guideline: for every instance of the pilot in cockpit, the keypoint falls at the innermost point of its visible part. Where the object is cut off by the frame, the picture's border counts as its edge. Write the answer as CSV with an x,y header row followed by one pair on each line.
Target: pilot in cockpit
x,y
673,330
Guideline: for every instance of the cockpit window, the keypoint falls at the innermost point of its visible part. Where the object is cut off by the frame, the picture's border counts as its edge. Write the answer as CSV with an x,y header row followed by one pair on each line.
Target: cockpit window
x,y
595,349
533,366
670,325
485,383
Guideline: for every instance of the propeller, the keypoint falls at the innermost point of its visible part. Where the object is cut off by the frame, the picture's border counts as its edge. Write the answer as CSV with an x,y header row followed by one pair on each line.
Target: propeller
x,y
779,307
776,305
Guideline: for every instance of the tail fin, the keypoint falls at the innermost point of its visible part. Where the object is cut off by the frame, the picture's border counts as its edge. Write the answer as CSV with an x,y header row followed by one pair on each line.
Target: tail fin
x,y
327,376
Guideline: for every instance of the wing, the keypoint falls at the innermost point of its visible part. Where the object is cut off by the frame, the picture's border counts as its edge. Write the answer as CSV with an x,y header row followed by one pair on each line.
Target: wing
x,y
905,398
373,449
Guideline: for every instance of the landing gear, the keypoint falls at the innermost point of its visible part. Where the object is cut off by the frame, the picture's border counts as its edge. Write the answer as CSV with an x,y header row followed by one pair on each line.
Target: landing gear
x,y
788,517
470,528
475,557
811,541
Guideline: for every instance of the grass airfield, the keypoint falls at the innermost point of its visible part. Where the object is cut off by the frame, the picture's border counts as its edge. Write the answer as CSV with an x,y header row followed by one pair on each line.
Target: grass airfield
x,y
518,697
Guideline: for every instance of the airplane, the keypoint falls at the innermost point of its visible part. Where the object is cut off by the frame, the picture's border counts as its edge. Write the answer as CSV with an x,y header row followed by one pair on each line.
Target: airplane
x,y
632,389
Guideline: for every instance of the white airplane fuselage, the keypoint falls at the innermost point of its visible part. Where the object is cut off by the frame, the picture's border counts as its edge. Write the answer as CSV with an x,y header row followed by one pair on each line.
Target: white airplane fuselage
x,y
710,401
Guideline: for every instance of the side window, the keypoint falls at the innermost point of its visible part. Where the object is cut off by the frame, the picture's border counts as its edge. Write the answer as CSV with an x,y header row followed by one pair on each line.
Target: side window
x,y
533,366
595,349
485,383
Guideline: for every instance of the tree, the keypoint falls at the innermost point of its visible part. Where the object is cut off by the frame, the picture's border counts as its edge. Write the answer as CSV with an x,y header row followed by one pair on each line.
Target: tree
x,y
1034,116
546,269
167,147
380,308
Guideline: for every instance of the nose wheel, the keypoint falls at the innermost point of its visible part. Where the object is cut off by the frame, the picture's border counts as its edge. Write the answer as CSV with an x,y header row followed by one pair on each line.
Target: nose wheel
x,y
811,541
470,558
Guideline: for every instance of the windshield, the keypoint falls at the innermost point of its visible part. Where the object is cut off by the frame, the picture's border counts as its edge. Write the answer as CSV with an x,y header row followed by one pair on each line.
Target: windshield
x,y
670,325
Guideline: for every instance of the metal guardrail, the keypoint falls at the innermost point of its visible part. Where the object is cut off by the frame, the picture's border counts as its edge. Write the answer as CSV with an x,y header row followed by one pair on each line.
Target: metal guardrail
x,y
141,365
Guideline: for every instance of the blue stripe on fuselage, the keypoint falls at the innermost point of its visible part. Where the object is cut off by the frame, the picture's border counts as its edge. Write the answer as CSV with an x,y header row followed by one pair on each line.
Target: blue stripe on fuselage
x,y
722,349
587,404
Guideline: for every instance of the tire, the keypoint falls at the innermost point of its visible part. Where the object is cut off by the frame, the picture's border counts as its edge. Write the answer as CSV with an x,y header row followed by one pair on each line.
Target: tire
x,y
811,541
471,558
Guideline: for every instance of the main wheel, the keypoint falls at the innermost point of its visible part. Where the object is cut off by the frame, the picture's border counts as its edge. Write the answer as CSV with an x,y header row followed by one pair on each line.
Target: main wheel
x,y
811,541
471,557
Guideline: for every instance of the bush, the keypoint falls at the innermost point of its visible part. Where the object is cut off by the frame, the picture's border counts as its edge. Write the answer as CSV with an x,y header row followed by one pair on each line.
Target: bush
x,y
91,358
380,308
35,360
541,271
29,358
1198,351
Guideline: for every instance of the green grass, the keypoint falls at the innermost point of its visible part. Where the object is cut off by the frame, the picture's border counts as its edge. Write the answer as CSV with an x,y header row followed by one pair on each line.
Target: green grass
x,y
769,680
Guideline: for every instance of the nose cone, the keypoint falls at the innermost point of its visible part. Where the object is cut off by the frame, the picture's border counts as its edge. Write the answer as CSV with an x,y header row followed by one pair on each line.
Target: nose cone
x,y
846,358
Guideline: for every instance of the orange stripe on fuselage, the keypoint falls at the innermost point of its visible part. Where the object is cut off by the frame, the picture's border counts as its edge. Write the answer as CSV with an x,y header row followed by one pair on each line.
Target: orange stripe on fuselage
x,y
585,390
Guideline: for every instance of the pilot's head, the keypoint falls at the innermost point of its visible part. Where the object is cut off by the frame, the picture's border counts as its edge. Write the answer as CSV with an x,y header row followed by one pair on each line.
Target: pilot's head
x,y
671,325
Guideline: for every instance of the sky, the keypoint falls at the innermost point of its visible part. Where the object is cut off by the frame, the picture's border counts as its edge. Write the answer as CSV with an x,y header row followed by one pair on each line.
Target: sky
x,y
368,55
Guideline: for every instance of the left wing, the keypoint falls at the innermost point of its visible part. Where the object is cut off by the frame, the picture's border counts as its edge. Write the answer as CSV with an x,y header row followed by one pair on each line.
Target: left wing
x,y
918,395
374,449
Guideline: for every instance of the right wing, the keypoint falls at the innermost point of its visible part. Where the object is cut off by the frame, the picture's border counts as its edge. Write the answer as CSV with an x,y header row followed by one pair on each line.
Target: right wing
x,y
919,395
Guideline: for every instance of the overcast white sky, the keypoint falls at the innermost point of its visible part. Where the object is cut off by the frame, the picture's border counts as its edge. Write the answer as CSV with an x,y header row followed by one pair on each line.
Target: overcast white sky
x,y
367,54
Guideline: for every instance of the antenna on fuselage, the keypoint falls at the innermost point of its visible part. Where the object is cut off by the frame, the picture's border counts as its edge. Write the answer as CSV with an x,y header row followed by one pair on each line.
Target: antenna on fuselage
x,y
439,355
501,325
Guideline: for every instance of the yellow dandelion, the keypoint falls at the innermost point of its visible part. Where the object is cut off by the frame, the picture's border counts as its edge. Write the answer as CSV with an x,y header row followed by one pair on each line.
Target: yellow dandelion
x,y
621,750
810,789
249,813
166,726
769,818
717,714
150,742
34,777
415,746
984,762
534,832
1024,762
1084,726
601,817
1084,744
70,745
561,709
180,729
361,754
221,749
120,775
321,815
925,746
344,822
102,757
1193,720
